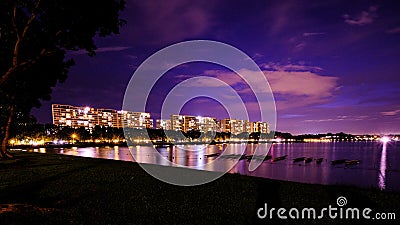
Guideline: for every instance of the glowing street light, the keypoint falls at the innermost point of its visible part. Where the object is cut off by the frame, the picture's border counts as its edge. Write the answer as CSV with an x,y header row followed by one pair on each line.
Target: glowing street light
x,y
74,136
385,139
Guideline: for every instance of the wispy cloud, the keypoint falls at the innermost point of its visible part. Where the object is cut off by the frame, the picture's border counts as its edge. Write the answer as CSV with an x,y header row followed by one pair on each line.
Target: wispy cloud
x,y
391,113
290,116
173,20
393,30
364,18
339,118
308,34
257,56
279,15
204,82
100,50
112,49
293,85
132,57
271,66
301,83
300,46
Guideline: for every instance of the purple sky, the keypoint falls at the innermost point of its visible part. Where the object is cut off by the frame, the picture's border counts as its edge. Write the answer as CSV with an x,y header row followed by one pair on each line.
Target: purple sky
x,y
332,65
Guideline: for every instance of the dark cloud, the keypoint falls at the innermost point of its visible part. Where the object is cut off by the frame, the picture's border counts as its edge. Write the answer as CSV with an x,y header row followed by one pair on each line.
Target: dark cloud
x,y
364,18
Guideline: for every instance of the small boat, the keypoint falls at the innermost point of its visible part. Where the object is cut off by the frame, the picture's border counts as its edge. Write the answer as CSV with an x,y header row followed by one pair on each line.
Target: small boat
x,y
226,156
213,154
279,158
231,156
338,161
319,160
248,157
268,157
244,156
352,162
308,160
299,159
261,157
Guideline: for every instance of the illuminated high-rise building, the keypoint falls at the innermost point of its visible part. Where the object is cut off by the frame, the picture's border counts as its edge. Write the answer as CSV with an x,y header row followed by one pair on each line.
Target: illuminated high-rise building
x,y
73,116
206,124
239,126
135,119
163,124
224,125
88,117
187,123
177,122
261,127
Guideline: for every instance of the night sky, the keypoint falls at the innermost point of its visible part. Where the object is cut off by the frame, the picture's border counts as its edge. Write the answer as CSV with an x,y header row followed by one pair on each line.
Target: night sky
x,y
332,65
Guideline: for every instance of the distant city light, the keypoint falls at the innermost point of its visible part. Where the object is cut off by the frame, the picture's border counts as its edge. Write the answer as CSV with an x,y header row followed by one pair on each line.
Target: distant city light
x,y
385,139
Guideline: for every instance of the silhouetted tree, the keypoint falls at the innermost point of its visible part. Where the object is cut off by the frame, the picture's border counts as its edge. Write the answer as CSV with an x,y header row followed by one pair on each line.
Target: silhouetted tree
x,y
255,135
97,132
83,134
219,136
34,38
193,134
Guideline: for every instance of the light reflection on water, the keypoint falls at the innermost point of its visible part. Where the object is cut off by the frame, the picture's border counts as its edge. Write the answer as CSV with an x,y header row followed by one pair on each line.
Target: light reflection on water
x,y
382,168
378,168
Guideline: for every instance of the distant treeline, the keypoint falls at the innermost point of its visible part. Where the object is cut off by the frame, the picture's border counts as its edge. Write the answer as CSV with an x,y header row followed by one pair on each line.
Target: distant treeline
x,y
49,131
333,136
29,129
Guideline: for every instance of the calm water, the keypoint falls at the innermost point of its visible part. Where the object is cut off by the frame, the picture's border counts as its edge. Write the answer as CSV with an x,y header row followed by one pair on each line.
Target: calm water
x,y
379,166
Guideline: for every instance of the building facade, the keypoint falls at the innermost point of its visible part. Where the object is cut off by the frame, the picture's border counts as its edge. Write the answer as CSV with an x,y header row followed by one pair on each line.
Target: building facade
x,y
135,119
224,125
206,124
239,126
88,117
177,122
261,127
187,123
163,124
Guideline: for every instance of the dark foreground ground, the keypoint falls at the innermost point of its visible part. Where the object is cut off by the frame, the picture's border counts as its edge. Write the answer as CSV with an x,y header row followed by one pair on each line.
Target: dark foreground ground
x,y
58,189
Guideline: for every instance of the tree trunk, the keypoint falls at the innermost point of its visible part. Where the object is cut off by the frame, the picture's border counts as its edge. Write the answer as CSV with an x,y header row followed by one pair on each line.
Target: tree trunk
x,y
3,150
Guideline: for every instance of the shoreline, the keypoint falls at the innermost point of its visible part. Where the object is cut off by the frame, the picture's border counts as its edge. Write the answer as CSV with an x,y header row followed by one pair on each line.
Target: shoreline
x,y
322,167
58,188
164,144
124,144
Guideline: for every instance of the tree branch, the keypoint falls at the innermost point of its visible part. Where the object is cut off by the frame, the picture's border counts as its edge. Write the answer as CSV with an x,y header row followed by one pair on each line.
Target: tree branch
x,y
14,21
30,62
24,65
17,45
31,19
24,32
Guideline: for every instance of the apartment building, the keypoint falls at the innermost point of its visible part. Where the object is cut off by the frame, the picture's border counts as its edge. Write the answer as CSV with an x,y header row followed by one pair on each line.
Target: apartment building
x,y
88,117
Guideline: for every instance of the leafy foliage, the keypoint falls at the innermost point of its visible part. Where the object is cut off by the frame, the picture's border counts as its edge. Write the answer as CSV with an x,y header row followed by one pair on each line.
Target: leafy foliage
x,y
34,38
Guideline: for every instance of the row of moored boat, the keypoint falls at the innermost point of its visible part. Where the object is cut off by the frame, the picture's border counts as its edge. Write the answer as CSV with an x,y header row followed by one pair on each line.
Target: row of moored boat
x,y
280,158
